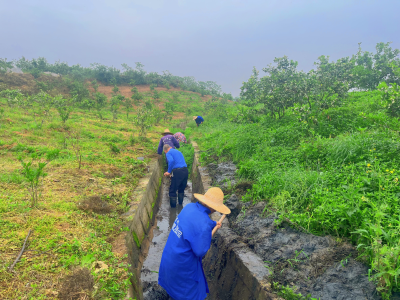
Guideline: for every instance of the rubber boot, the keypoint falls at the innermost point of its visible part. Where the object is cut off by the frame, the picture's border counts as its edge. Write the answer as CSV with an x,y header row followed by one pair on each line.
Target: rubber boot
x,y
180,198
172,201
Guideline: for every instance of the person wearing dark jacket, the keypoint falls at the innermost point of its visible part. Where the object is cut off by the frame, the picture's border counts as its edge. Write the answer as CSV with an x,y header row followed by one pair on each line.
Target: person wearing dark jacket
x,y
198,119
181,271
167,139
177,169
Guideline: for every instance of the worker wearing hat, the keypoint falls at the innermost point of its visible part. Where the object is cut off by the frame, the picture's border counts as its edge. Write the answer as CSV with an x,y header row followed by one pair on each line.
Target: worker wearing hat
x,y
198,119
181,270
167,139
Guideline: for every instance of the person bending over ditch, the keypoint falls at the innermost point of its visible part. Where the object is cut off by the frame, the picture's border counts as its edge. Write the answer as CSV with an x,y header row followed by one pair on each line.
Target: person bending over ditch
x,y
198,119
167,139
180,137
178,171
181,271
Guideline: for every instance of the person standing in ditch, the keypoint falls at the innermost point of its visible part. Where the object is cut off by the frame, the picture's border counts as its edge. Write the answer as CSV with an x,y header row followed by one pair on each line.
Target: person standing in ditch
x,y
181,271
178,171
167,139
198,119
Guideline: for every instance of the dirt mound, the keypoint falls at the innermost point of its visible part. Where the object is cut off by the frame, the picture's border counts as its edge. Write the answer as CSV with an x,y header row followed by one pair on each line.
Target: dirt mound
x,y
96,205
77,286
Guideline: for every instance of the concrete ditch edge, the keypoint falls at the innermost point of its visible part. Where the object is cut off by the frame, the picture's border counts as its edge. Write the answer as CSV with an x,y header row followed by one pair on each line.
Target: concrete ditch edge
x,y
140,218
233,271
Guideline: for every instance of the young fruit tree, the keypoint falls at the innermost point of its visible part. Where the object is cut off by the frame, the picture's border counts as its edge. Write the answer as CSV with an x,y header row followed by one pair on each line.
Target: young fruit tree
x,y
33,174
64,107
116,102
143,120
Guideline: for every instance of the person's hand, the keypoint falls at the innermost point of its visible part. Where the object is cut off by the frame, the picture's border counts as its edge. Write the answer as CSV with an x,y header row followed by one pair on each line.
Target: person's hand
x,y
167,174
219,225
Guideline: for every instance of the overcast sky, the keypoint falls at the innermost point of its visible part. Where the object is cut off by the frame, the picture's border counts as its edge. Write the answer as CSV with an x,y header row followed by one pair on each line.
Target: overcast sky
x,y
208,39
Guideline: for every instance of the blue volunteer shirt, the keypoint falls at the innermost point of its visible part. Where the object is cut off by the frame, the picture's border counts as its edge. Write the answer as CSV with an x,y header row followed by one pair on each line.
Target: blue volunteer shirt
x,y
175,160
199,120
181,270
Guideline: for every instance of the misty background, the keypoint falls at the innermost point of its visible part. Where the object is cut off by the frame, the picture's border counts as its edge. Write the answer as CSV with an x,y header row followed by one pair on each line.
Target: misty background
x,y
210,40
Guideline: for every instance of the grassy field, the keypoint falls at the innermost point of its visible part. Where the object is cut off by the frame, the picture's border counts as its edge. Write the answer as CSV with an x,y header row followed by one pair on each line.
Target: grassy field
x,y
76,229
337,174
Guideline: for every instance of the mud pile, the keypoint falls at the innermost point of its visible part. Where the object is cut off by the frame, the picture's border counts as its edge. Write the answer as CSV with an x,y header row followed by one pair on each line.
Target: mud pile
x,y
306,263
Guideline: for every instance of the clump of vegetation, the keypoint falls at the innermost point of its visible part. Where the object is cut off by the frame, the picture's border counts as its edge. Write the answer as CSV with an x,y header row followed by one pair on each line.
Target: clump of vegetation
x,y
323,155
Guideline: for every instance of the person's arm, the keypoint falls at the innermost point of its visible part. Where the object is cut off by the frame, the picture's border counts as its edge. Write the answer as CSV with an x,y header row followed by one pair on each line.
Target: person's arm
x,y
175,142
171,162
160,146
200,242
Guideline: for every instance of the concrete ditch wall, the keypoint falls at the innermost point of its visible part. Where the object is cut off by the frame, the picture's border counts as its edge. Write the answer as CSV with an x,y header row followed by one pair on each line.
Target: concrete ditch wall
x,y
140,218
233,271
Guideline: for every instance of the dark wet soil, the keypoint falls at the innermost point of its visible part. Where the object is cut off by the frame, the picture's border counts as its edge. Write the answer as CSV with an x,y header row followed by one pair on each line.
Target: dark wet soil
x,y
159,233
307,263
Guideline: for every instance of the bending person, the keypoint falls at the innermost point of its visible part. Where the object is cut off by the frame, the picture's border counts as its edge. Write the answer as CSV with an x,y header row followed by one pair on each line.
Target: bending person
x,y
177,169
167,139
181,271
198,119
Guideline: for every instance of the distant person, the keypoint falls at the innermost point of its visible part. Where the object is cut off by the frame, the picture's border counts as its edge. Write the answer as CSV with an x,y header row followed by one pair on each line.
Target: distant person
x,y
178,171
180,137
198,119
167,139
181,271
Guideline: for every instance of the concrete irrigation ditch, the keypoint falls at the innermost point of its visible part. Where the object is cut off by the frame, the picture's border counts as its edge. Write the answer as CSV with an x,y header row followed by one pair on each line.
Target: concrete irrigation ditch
x,y
250,256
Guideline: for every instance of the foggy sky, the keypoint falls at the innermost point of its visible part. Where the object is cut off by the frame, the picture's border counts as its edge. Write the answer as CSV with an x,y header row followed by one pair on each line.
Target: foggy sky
x,y
210,40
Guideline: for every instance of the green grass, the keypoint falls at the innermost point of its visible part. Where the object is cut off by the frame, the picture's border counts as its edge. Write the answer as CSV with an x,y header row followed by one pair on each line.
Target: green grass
x,y
64,236
334,175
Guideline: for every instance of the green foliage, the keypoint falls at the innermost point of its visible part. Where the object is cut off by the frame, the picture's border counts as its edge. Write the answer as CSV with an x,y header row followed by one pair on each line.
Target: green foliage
x,y
114,76
101,102
288,293
114,148
391,97
115,103
13,97
336,173
188,153
5,65
156,95
33,174
64,107
144,119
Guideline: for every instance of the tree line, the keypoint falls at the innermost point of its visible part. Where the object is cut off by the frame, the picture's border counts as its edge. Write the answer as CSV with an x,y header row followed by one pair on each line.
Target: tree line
x,y
111,75
325,86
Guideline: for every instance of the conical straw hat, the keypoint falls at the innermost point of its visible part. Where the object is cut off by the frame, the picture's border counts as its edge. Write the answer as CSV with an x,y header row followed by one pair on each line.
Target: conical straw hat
x,y
194,117
214,198
166,131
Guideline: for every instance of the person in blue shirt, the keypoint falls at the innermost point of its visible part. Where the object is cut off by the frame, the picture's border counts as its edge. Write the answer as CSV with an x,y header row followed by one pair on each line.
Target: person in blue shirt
x,y
181,271
198,119
178,171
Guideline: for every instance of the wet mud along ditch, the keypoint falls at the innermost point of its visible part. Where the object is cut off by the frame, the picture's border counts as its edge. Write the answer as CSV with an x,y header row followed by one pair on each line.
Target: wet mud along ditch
x,y
278,257
250,256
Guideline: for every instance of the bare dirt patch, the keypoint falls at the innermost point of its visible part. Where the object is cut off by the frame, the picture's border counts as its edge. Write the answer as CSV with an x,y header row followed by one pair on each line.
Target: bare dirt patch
x,y
95,204
77,286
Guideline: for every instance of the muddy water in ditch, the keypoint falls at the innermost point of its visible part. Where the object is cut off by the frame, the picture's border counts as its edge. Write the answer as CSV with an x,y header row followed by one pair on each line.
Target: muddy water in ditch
x,y
159,232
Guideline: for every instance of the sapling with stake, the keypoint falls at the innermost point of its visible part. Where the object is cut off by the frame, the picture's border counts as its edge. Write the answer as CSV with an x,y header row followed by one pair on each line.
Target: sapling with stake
x,y
74,138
